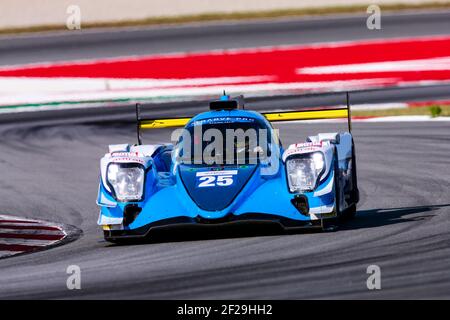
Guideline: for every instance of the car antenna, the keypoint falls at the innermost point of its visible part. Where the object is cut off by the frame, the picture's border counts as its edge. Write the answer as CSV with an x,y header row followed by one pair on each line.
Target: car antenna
x,y
349,114
138,123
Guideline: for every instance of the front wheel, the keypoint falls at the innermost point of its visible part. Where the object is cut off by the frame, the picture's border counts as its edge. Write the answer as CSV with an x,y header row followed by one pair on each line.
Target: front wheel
x,y
331,224
350,212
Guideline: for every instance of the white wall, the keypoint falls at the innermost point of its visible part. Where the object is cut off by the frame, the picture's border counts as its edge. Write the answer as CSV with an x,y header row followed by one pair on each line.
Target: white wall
x,y
24,13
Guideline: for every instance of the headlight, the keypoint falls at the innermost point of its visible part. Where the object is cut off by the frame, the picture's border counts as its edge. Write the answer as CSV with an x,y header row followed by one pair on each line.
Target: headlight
x,y
304,171
127,181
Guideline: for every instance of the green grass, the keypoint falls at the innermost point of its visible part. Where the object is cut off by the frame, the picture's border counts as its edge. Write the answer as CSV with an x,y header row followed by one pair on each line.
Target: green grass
x,y
425,110
233,16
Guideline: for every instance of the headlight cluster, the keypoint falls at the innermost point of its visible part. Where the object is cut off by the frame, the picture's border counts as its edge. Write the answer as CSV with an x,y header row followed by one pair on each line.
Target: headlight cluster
x,y
304,171
127,181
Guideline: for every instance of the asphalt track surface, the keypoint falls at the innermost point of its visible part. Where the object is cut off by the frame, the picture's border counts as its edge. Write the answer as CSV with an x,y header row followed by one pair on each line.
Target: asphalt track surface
x,y
50,171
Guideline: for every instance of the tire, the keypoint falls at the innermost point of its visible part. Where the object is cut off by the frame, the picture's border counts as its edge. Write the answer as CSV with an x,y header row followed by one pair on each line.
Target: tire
x,y
350,212
331,224
354,177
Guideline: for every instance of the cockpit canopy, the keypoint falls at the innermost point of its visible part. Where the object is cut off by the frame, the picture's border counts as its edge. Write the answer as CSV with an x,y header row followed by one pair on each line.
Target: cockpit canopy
x,y
225,140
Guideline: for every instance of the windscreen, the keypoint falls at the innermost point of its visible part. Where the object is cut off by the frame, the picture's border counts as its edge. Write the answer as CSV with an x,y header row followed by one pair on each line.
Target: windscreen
x,y
228,140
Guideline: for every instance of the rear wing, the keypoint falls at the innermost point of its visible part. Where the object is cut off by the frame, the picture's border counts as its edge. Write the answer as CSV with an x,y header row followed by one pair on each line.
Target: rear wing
x,y
282,116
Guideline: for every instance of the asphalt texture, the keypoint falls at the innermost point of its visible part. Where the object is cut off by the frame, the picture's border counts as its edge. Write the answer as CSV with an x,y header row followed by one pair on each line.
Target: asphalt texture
x,y
50,168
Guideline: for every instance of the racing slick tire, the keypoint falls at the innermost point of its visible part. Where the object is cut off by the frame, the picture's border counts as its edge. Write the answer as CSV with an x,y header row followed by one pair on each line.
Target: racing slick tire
x,y
331,224
350,212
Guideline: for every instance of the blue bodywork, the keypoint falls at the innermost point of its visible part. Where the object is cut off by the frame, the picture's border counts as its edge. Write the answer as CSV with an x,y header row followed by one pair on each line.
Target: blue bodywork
x,y
172,194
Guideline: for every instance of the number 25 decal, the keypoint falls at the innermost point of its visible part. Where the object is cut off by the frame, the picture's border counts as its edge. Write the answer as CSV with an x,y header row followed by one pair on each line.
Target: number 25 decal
x,y
212,181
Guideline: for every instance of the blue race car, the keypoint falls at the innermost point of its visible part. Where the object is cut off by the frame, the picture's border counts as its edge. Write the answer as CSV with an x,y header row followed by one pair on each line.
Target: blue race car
x,y
228,165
